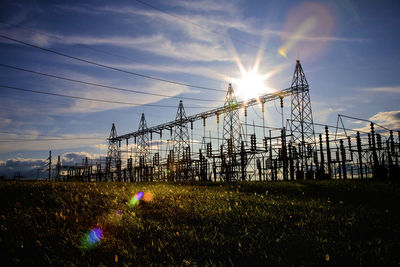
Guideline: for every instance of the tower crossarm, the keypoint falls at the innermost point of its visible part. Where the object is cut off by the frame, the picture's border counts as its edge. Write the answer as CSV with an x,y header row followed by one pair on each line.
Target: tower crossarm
x,y
210,113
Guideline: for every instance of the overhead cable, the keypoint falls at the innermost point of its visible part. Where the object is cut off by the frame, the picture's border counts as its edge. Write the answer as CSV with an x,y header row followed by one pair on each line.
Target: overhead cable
x,y
109,67
102,85
89,99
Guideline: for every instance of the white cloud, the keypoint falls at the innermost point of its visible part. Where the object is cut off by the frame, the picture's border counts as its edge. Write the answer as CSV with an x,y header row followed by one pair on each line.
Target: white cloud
x,y
322,115
213,26
388,119
36,143
114,40
206,5
4,122
72,158
84,106
392,89
206,35
101,147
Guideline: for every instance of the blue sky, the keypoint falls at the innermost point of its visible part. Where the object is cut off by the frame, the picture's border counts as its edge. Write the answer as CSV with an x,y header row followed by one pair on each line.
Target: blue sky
x,y
348,49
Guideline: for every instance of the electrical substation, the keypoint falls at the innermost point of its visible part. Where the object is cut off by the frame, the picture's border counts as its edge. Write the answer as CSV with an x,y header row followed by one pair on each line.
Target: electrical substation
x,y
237,150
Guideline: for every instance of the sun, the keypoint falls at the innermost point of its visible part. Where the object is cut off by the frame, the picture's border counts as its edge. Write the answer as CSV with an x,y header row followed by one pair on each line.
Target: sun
x,y
251,84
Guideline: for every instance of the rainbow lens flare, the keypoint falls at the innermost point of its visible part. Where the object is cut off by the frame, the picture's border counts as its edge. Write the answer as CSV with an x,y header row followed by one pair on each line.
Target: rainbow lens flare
x,y
147,196
135,199
118,214
115,217
91,239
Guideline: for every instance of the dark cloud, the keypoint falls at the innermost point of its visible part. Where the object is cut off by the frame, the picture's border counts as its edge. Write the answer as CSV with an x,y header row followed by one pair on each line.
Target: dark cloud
x,y
28,168
72,158
397,115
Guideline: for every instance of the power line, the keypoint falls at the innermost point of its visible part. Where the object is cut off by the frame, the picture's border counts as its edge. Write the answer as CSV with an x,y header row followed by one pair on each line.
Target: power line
x,y
54,136
108,67
6,132
101,85
61,39
78,97
89,99
18,98
52,139
95,49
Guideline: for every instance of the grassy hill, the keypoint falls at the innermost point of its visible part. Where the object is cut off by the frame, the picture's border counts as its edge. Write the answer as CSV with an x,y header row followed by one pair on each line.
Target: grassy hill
x,y
245,223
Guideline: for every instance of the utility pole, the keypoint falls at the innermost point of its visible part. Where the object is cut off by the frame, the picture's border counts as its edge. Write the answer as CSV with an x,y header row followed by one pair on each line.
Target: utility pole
x,y
49,164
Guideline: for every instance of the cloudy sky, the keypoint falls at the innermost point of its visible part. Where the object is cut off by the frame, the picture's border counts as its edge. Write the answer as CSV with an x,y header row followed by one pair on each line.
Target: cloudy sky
x,y
52,53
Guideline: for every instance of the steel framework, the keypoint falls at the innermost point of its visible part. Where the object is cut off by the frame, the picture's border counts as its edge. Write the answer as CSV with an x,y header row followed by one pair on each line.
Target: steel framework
x,y
113,162
232,137
302,126
278,156
181,133
142,150
211,113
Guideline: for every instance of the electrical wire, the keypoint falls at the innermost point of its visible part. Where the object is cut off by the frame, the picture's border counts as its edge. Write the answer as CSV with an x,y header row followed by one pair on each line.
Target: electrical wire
x,y
52,139
61,39
95,49
101,85
280,113
109,67
38,135
89,99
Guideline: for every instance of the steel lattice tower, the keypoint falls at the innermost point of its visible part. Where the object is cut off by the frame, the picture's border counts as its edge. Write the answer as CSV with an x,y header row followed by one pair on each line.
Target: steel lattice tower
x,y
181,134
142,143
113,153
232,136
302,126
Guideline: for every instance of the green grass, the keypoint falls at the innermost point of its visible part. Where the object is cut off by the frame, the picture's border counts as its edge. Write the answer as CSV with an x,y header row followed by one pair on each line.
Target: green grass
x,y
257,223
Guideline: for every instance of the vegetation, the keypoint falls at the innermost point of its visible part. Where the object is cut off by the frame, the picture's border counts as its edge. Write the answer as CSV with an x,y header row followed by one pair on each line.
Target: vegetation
x,y
250,223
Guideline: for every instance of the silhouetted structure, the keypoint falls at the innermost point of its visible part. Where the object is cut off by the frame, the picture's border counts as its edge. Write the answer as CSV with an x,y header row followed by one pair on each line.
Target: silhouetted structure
x,y
279,154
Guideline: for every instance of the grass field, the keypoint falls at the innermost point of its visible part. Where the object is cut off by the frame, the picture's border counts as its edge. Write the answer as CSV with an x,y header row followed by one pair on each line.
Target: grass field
x,y
242,224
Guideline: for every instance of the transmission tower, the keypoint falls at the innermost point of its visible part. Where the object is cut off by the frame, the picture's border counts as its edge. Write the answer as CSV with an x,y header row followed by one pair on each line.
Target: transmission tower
x,y
181,134
113,153
232,137
302,126
142,143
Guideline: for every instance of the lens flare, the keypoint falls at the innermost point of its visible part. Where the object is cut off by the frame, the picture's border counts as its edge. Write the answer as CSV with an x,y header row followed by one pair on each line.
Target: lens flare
x,y
92,239
115,217
135,199
282,51
303,29
308,30
148,196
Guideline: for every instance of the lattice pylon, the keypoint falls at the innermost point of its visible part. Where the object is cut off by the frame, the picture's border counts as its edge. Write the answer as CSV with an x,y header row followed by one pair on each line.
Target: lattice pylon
x,y
302,125
232,132
232,127
113,152
142,143
181,139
